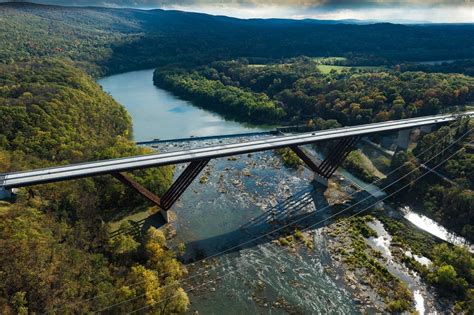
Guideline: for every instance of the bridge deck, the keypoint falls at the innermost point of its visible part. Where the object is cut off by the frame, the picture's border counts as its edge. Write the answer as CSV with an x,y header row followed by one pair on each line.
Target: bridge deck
x,y
61,173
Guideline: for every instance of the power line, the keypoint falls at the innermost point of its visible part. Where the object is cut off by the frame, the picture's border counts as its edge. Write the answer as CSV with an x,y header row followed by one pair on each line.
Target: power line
x,y
368,207
291,223
346,209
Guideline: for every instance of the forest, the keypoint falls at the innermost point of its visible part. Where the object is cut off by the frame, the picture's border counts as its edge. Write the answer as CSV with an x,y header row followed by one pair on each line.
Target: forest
x,y
298,91
56,252
452,205
56,255
105,41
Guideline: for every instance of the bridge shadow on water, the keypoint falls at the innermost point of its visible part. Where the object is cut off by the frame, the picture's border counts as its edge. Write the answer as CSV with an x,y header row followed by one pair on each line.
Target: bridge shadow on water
x,y
307,208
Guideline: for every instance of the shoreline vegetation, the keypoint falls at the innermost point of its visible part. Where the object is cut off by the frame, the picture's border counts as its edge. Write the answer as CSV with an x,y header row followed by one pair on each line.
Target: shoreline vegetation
x,y
56,254
54,242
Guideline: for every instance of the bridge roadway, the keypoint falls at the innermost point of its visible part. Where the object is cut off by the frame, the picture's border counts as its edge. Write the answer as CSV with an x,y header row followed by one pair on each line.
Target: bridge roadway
x,y
73,171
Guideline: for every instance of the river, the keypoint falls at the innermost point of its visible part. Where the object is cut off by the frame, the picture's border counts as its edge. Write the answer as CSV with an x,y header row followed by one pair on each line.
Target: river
x,y
228,213
236,203
157,113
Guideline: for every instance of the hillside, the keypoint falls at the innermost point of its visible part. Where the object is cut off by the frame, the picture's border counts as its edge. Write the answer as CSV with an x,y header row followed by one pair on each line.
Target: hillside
x,y
115,40
56,251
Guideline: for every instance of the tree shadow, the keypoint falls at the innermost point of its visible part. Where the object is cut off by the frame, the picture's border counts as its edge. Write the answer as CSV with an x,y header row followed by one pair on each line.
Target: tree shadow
x,y
139,228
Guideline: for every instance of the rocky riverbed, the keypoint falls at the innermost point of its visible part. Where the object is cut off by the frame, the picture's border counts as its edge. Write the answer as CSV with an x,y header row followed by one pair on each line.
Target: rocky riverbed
x,y
230,214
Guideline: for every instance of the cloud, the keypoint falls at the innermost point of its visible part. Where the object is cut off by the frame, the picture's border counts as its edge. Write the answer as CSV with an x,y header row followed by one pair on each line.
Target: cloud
x,y
443,11
260,3
398,14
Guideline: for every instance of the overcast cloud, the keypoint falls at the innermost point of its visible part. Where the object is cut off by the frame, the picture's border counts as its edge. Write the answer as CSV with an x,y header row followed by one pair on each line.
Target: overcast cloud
x,y
387,10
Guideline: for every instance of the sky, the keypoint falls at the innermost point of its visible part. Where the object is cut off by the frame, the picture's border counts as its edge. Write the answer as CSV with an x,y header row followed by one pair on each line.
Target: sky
x,y
439,11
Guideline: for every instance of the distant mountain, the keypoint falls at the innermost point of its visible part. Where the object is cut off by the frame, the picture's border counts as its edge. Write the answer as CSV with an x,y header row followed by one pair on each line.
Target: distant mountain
x,y
122,39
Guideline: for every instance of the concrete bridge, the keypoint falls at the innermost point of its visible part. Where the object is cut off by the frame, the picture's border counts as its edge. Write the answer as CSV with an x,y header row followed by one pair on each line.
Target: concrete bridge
x,y
198,158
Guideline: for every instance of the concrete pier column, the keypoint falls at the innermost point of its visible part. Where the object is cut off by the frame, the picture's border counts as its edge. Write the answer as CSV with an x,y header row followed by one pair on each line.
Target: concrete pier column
x,y
321,180
426,129
165,215
5,194
403,139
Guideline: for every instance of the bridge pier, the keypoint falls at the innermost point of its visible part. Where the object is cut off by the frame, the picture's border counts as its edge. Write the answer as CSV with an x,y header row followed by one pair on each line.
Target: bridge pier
x,y
426,129
182,183
165,215
173,193
6,194
321,180
403,139
330,164
305,157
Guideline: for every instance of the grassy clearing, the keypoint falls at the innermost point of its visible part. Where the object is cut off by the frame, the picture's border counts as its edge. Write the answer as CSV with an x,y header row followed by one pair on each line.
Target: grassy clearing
x,y
326,69
359,164
138,216
329,60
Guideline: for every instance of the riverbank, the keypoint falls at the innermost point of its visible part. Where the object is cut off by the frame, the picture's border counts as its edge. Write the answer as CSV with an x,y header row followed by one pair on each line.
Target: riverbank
x,y
157,113
238,199
375,269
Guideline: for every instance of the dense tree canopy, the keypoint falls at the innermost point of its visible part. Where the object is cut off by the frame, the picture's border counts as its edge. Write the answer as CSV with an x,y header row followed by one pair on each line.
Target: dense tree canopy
x,y
452,205
111,40
56,255
55,251
298,91
51,110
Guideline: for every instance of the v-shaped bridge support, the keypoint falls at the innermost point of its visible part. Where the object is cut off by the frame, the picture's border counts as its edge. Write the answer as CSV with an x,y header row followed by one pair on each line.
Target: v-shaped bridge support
x,y
182,183
173,193
332,161
324,170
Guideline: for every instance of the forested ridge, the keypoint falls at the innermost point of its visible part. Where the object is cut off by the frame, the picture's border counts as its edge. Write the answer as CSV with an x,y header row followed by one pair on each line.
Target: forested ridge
x,y
115,40
55,251
297,91
52,111
56,254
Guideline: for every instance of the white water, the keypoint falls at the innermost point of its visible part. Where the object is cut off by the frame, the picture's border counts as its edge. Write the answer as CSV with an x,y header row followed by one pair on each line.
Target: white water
x,y
434,228
419,302
420,259
382,244
382,241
